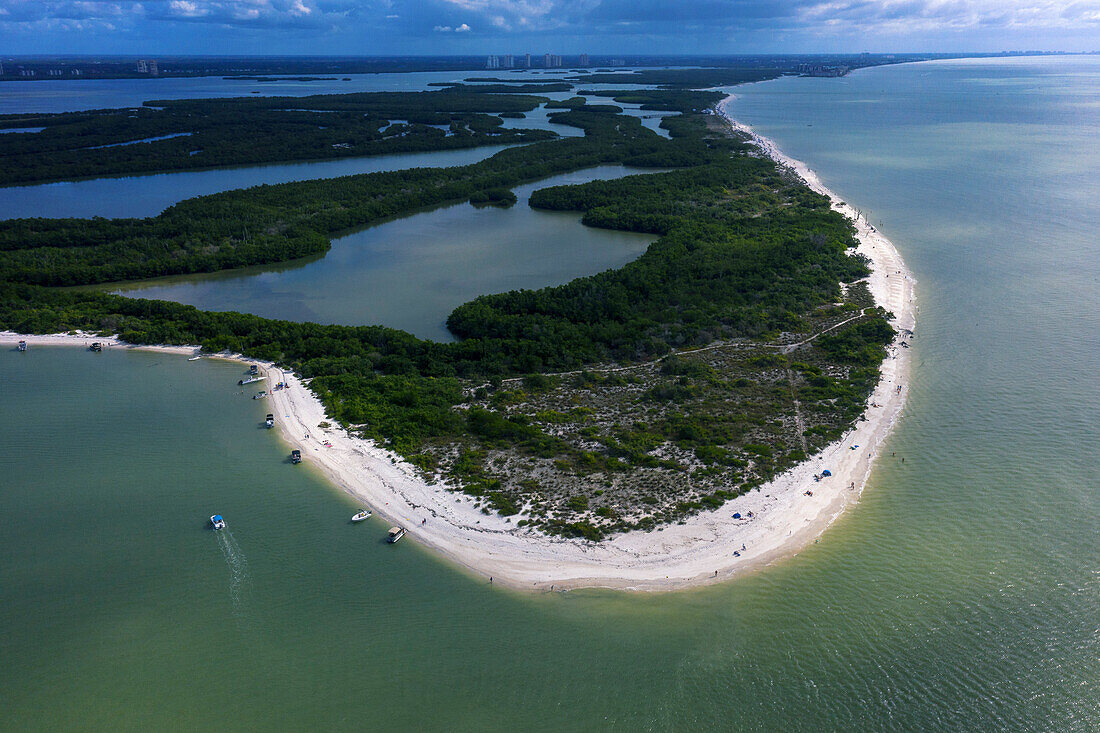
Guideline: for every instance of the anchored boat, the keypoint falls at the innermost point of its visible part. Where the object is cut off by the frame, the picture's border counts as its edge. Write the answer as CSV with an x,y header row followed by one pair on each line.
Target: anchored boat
x,y
22,346
96,346
217,521
270,421
365,514
395,534
250,380
295,456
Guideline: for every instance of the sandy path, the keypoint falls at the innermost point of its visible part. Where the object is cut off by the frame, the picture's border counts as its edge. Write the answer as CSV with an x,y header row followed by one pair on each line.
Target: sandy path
x,y
697,552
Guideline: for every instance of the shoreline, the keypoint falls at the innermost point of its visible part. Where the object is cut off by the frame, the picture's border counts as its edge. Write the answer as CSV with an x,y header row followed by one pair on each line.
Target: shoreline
x,y
678,556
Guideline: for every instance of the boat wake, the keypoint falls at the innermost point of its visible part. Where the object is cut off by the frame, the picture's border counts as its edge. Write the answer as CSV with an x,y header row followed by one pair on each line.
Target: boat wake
x,y
240,578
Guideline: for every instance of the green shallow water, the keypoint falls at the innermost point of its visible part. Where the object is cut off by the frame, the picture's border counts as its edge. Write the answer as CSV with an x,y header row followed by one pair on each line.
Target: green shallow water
x,y
962,593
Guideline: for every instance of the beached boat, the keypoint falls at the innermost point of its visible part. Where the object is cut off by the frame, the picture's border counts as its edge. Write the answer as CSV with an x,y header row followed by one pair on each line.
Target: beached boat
x,y
295,456
260,395
269,421
395,534
250,380
253,369
96,346
22,346
365,514
217,521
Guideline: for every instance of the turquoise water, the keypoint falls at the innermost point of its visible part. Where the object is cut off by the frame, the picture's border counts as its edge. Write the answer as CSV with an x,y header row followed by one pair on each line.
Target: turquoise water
x,y
961,594
411,273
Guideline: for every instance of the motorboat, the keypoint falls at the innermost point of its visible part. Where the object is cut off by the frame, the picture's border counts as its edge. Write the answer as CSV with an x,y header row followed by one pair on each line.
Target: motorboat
x,y
260,395
217,521
22,346
395,534
96,346
365,514
269,422
250,380
295,456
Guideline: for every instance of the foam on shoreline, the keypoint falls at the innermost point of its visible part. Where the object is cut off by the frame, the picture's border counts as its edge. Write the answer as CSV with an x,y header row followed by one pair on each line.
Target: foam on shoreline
x,y
697,552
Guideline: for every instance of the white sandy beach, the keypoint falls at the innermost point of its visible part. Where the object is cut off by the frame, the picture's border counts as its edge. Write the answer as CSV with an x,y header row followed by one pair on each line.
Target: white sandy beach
x,y
784,520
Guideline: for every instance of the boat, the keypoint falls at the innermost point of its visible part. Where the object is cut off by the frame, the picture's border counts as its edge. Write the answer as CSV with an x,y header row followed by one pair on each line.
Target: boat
x,y
365,514
194,358
253,369
96,346
395,534
250,380
269,422
217,521
295,456
260,395
22,346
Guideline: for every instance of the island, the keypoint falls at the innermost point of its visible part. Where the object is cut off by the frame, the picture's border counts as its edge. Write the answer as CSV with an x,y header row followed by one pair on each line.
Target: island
x,y
637,428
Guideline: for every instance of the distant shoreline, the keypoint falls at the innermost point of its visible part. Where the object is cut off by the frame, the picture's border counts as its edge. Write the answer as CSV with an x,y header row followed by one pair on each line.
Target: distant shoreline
x,y
696,552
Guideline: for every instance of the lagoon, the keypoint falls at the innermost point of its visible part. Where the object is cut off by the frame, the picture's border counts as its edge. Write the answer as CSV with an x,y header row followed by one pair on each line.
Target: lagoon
x,y
411,273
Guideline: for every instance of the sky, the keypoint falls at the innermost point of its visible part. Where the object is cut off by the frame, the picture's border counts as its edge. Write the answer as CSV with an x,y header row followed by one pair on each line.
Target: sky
x,y
598,27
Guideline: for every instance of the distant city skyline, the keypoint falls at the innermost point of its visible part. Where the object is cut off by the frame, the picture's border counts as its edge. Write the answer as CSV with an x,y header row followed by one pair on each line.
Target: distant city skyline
x,y
563,27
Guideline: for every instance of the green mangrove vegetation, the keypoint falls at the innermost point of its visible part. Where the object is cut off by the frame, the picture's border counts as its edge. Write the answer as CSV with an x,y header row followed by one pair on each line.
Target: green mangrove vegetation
x,y
171,135
726,353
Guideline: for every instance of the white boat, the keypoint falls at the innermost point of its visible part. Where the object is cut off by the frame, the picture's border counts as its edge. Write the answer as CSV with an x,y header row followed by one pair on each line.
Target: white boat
x,y
395,534
250,380
194,358
217,521
260,395
270,421
365,514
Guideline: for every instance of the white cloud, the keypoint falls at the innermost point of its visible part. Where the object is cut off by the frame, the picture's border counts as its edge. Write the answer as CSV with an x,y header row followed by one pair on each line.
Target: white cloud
x,y
186,9
464,28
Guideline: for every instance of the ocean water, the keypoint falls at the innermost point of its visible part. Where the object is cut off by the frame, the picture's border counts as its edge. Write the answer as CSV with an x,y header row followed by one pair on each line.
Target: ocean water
x,y
961,593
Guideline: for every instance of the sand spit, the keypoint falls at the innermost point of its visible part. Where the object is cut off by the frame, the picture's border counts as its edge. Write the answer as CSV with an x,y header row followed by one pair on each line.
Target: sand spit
x,y
700,551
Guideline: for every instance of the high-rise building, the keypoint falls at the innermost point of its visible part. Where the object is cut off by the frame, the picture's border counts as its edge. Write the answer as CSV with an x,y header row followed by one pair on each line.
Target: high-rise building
x,y
584,59
143,66
492,63
527,61
551,60
507,61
